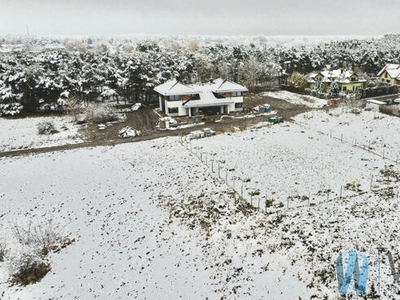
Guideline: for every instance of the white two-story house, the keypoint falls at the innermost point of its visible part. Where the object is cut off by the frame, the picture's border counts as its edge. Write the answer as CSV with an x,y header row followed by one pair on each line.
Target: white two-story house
x,y
215,97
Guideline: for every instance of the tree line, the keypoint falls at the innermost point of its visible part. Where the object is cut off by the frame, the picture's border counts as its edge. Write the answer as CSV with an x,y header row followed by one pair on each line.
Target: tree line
x,y
30,80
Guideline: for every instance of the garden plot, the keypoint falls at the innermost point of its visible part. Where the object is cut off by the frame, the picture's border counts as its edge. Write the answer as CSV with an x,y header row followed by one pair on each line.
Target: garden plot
x,y
140,217
285,161
371,130
22,133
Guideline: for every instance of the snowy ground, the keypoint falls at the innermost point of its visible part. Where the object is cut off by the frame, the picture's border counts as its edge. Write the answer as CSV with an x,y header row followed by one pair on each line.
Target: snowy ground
x,y
294,98
22,133
122,205
151,221
371,130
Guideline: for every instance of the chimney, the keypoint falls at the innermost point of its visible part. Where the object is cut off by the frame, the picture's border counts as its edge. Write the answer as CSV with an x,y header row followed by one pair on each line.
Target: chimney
x,y
211,80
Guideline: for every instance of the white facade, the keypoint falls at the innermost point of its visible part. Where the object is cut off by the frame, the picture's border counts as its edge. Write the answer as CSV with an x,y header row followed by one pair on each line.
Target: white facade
x,y
215,97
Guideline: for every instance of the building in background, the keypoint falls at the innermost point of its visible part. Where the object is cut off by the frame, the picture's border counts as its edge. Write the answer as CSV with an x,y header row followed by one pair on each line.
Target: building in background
x,y
390,74
348,81
214,97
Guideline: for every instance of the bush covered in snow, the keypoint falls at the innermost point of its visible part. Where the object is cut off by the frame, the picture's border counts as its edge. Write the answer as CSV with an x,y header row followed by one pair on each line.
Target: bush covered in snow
x,y
101,114
26,261
46,127
3,249
10,109
27,266
41,235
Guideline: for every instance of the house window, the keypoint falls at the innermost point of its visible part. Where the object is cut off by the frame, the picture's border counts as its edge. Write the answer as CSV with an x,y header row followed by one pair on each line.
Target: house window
x,y
173,110
388,81
344,88
174,98
239,105
386,75
236,94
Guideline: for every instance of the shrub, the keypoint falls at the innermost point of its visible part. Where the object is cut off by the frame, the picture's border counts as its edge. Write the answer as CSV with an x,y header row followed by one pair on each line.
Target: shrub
x,y
46,127
101,114
10,109
297,80
313,92
3,250
27,266
43,235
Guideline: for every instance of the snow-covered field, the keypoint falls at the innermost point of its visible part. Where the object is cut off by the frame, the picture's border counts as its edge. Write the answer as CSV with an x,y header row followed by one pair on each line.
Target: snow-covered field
x,y
122,205
371,130
22,133
151,221
294,98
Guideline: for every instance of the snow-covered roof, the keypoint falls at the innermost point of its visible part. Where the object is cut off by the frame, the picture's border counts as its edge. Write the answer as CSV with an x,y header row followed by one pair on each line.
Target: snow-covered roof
x,y
207,98
341,76
392,69
222,86
174,87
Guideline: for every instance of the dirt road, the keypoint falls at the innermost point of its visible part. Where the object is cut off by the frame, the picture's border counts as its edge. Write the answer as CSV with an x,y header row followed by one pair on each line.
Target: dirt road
x,y
146,119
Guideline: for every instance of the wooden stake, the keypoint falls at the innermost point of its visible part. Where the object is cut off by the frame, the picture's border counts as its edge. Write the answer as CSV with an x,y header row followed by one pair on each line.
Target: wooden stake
x,y
226,177
372,178
242,191
258,203
212,166
340,192
219,170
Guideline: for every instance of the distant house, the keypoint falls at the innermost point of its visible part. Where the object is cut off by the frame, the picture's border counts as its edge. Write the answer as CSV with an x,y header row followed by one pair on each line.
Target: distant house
x,y
348,81
390,74
215,97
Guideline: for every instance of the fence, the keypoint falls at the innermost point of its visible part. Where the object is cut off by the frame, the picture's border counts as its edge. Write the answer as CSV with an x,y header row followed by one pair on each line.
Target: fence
x,y
343,192
394,158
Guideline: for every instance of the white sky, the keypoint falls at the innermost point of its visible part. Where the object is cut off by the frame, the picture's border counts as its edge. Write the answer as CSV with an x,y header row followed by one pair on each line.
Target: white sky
x,y
224,17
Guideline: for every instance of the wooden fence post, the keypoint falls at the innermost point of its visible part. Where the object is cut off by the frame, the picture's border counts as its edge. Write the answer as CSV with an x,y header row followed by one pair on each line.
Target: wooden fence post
x,y
212,166
370,185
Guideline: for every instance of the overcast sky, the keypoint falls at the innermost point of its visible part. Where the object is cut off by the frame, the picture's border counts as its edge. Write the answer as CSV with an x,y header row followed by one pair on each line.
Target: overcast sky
x,y
213,17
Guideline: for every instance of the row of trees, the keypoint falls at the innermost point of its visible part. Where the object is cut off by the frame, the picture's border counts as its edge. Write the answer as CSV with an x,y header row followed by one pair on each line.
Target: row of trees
x,y
33,80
